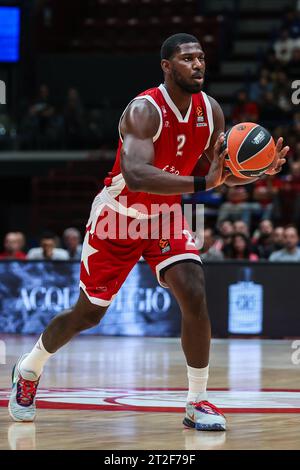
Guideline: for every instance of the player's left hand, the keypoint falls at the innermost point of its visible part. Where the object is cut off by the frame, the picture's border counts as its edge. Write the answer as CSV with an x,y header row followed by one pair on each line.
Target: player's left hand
x,y
217,173
279,159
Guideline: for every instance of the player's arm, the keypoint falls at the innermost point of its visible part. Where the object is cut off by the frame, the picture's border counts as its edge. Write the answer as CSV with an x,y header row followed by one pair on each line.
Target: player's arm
x,y
138,127
219,127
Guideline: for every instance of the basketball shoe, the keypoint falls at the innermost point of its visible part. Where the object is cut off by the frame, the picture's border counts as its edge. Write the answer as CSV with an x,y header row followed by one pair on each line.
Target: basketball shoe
x,y
204,416
21,404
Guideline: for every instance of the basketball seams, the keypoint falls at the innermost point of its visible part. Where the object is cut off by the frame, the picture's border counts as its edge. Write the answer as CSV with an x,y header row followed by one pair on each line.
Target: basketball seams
x,y
257,153
227,141
262,170
234,141
240,147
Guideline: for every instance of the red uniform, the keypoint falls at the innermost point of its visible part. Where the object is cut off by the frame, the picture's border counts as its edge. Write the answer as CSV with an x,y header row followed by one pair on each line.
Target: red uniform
x,y
178,144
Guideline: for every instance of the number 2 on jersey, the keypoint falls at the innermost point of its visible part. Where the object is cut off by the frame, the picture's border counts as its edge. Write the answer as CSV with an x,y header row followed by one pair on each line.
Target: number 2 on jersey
x,y
181,141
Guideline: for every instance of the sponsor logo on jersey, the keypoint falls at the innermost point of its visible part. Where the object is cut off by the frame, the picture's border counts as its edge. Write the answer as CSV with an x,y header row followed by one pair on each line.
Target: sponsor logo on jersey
x,y
171,169
201,124
164,111
164,245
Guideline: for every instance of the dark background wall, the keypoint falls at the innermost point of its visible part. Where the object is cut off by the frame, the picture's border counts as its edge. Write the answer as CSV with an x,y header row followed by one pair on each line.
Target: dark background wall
x,y
102,79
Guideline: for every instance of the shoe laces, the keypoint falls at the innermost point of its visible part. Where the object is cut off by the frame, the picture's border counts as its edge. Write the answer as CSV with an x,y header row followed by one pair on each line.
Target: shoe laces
x,y
207,407
26,391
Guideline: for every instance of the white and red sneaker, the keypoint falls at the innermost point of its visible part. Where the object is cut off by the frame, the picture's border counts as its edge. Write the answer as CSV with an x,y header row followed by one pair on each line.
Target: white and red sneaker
x,y
21,404
204,416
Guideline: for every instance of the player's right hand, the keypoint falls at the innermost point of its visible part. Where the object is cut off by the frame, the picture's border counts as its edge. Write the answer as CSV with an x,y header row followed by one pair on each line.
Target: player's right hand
x,y
217,173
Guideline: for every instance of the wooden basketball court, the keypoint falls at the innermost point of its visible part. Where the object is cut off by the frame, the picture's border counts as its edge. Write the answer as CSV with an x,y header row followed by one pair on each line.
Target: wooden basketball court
x,y
128,393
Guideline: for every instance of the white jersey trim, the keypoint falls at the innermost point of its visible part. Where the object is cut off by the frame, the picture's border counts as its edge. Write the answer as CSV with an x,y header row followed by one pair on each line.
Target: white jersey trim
x,y
152,101
107,198
171,260
173,106
96,300
210,118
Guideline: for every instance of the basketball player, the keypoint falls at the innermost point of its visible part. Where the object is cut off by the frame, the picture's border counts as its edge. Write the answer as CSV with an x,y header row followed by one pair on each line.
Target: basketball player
x,y
163,132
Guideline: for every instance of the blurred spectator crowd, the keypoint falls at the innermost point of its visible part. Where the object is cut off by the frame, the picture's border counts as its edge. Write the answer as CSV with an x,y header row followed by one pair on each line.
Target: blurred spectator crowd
x,y
233,241
230,241
45,127
268,97
50,246
270,100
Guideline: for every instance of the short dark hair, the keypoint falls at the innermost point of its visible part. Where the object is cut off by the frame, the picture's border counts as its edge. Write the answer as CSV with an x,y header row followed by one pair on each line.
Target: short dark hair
x,y
172,43
47,235
292,226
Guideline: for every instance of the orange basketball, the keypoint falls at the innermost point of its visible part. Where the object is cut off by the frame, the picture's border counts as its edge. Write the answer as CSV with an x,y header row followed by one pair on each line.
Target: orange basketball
x,y
251,150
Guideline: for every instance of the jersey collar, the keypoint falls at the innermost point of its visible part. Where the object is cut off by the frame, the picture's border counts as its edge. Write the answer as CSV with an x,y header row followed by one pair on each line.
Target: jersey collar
x,y
173,106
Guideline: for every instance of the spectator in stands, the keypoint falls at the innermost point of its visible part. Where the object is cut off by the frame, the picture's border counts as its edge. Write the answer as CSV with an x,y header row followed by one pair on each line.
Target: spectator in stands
x,y
225,230
42,108
291,22
41,127
72,242
47,249
296,153
22,241
263,242
271,63
237,207
210,252
284,46
240,248
265,229
239,226
264,191
13,245
244,109
282,92
270,112
74,120
259,88
278,238
288,199
291,251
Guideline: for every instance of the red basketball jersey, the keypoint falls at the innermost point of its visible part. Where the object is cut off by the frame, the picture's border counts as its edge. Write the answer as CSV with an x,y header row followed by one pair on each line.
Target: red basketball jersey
x,y
178,144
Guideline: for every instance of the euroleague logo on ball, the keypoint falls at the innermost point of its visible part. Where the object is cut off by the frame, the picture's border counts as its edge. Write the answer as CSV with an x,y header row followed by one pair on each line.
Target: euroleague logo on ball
x,y
241,127
259,138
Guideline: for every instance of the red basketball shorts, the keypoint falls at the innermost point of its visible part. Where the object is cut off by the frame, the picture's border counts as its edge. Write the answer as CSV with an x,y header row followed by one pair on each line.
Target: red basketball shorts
x,y
114,243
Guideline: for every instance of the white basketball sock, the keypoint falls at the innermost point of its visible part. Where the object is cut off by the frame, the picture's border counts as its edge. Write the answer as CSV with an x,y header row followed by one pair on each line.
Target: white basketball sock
x,y
197,383
32,365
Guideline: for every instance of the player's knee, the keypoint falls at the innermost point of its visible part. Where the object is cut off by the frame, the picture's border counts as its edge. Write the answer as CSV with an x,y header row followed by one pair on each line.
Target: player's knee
x,y
196,302
93,317
195,298
90,317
